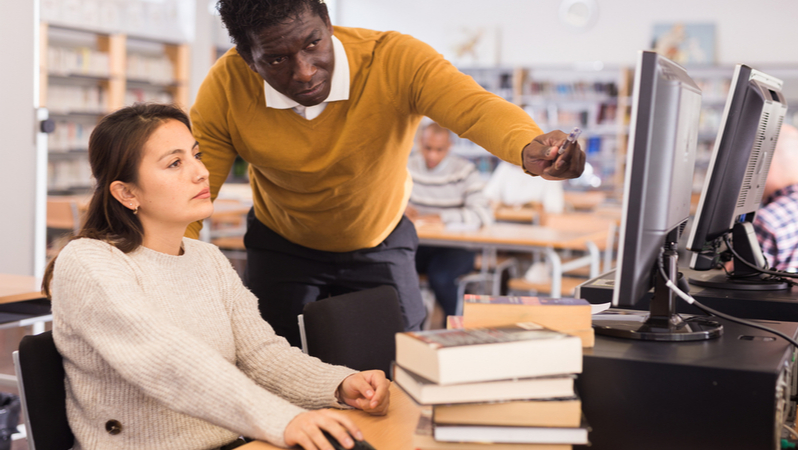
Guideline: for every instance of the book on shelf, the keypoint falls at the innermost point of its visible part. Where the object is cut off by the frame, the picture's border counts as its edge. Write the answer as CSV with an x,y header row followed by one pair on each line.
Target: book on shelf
x,y
555,412
423,440
469,355
554,313
426,392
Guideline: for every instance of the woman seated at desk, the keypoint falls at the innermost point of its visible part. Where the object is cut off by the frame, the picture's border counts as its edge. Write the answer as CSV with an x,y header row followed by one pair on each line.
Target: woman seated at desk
x,y
447,189
163,346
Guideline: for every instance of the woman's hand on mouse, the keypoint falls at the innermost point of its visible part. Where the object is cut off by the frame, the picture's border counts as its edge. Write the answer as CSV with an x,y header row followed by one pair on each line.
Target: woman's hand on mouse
x,y
368,391
306,428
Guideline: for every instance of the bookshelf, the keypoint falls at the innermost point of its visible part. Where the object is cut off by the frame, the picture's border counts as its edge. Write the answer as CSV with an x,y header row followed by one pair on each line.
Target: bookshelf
x,y
86,74
592,97
715,83
598,99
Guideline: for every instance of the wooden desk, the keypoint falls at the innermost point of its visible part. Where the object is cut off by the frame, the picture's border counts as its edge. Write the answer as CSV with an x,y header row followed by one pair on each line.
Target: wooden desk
x,y
394,431
519,237
18,288
521,214
23,303
584,200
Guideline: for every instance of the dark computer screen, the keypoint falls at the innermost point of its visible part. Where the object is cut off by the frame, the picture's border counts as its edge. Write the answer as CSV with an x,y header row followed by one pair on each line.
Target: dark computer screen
x,y
737,173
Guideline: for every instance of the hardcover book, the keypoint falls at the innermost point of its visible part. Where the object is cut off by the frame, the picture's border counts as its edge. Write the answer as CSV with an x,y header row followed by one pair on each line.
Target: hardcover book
x,y
562,412
426,392
469,355
512,435
423,440
554,313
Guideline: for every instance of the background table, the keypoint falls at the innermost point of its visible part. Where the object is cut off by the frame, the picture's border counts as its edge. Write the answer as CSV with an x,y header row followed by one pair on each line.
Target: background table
x,y
519,237
17,288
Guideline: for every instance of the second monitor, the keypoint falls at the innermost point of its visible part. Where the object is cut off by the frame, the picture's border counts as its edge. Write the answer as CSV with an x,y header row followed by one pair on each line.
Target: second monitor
x,y
737,174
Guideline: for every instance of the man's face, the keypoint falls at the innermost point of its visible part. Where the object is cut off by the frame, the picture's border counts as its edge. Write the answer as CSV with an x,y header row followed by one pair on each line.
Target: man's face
x,y
434,147
296,58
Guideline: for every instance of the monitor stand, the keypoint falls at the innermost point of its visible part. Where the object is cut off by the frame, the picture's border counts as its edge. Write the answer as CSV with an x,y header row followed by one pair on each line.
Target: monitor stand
x,y
662,323
744,277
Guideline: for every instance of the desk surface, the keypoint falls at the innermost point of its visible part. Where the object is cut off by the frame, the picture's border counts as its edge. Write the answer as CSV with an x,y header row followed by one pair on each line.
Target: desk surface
x,y
512,234
394,431
522,214
17,288
763,305
584,200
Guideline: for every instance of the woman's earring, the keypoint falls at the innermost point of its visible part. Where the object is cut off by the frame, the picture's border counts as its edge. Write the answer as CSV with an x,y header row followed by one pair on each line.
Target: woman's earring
x,y
136,210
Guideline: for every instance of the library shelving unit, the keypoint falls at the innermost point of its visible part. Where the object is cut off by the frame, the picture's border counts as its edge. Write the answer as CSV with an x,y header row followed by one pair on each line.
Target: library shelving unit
x,y
598,99
85,74
715,81
497,80
592,97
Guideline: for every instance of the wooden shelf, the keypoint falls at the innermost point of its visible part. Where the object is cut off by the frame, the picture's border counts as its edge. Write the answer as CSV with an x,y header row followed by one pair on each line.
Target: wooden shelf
x,y
107,90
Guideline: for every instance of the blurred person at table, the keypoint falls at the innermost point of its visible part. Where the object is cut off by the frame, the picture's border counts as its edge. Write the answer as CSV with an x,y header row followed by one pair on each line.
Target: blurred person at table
x,y
163,346
508,186
776,220
447,189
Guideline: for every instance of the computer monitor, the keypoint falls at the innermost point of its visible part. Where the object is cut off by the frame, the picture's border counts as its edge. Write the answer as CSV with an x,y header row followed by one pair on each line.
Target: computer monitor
x,y
665,118
734,184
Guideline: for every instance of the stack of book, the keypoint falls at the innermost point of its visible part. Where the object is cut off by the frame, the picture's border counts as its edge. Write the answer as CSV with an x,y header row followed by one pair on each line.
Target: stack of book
x,y
510,385
568,315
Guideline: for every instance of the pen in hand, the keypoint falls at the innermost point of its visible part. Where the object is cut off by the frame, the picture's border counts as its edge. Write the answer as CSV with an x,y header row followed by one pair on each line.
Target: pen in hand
x,y
573,136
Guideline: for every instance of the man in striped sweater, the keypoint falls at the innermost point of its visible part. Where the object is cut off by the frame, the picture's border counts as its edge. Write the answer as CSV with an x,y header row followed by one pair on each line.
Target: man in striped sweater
x,y
447,189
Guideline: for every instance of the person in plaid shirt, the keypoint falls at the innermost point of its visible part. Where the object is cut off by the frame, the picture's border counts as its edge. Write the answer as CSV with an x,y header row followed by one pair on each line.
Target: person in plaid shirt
x,y
776,221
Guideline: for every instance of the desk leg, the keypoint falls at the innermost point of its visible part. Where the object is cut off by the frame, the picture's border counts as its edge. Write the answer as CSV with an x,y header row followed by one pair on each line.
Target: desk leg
x,y
594,262
487,254
555,277
38,327
8,381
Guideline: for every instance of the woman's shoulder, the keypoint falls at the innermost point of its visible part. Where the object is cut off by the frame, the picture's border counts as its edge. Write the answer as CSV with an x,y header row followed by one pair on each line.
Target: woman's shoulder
x,y
84,256
202,249
88,247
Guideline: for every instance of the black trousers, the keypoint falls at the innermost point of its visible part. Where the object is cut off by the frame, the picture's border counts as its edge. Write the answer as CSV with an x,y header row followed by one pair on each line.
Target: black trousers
x,y
286,276
444,265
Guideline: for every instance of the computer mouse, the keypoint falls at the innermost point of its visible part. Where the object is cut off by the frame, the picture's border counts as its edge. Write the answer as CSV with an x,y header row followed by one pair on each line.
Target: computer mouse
x,y
359,445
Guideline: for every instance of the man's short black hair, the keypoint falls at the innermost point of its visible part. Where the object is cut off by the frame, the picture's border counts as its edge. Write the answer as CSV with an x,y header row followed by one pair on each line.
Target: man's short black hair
x,y
243,18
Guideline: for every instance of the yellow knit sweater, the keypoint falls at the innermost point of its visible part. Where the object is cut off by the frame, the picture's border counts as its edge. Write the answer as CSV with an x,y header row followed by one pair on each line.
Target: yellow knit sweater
x,y
339,182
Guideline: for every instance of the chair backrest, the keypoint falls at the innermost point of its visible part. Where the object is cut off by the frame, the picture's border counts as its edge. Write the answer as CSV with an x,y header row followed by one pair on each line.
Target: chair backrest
x,y
40,374
63,213
356,329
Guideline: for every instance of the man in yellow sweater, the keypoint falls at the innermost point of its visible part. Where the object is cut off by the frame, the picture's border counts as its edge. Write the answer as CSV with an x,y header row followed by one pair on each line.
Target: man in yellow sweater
x,y
326,118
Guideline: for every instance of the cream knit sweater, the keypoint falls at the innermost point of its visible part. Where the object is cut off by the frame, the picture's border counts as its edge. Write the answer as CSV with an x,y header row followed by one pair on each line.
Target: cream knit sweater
x,y
174,351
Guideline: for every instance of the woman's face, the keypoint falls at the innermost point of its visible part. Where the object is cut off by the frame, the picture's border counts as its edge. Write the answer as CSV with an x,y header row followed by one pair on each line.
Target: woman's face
x,y
172,189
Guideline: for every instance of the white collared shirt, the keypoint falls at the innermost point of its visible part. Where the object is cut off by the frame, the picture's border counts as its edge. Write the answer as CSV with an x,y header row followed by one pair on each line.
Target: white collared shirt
x,y
340,87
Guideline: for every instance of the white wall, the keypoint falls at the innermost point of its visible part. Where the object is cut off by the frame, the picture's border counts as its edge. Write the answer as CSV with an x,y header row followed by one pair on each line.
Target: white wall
x,y
19,228
748,31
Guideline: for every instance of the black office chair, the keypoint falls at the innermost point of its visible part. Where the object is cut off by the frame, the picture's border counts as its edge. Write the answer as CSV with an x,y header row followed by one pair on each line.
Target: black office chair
x,y
354,330
40,374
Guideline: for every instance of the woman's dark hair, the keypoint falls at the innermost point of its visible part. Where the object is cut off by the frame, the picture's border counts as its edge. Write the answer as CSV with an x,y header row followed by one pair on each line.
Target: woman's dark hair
x,y
115,152
243,18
